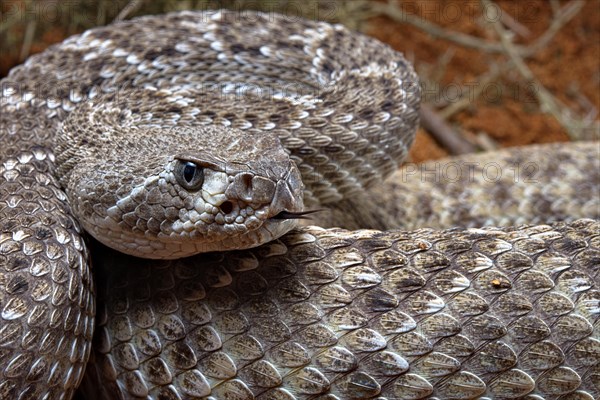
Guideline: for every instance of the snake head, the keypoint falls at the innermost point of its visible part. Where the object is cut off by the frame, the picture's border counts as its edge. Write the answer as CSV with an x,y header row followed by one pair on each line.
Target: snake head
x,y
172,193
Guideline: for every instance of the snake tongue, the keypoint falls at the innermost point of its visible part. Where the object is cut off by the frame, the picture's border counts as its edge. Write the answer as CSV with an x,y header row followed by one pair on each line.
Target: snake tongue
x,y
295,215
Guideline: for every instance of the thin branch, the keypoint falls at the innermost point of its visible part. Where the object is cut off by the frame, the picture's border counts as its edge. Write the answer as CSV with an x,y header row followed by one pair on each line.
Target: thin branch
x,y
443,133
28,40
129,9
555,6
515,25
485,142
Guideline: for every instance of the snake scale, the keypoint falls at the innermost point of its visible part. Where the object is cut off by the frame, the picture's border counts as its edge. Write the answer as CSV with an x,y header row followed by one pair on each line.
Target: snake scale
x,y
456,313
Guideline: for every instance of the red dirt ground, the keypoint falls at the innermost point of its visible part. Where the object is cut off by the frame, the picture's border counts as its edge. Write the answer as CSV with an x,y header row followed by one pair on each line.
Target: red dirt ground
x,y
569,64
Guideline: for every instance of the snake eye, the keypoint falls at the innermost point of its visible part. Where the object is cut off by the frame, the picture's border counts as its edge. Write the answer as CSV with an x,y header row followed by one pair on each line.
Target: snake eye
x,y
189,175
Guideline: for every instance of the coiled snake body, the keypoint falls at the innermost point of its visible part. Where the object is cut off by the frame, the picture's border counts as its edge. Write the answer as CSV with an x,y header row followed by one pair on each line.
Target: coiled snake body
x,y
172,135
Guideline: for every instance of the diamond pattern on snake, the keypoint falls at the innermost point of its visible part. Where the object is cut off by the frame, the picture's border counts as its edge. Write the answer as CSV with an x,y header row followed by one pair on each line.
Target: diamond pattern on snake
x,y
153,177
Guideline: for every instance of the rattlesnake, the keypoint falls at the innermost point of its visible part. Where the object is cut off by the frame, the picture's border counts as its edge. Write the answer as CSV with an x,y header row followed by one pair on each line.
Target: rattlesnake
x,y
456,313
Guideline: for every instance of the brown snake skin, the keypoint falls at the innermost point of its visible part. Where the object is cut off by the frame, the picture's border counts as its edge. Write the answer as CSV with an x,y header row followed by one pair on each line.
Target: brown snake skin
x,y
329,314
453,314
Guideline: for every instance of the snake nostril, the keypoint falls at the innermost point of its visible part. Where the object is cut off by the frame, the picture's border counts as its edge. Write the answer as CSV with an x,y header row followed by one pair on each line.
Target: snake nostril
x,y
247,181
226,207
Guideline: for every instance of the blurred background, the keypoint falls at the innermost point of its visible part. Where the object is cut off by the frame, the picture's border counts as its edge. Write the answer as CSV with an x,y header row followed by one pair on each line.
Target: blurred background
x,y
494,73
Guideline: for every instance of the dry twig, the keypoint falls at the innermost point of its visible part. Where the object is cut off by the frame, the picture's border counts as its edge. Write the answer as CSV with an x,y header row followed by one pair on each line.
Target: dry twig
x,y
515,25
28,40
129,9
443,133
